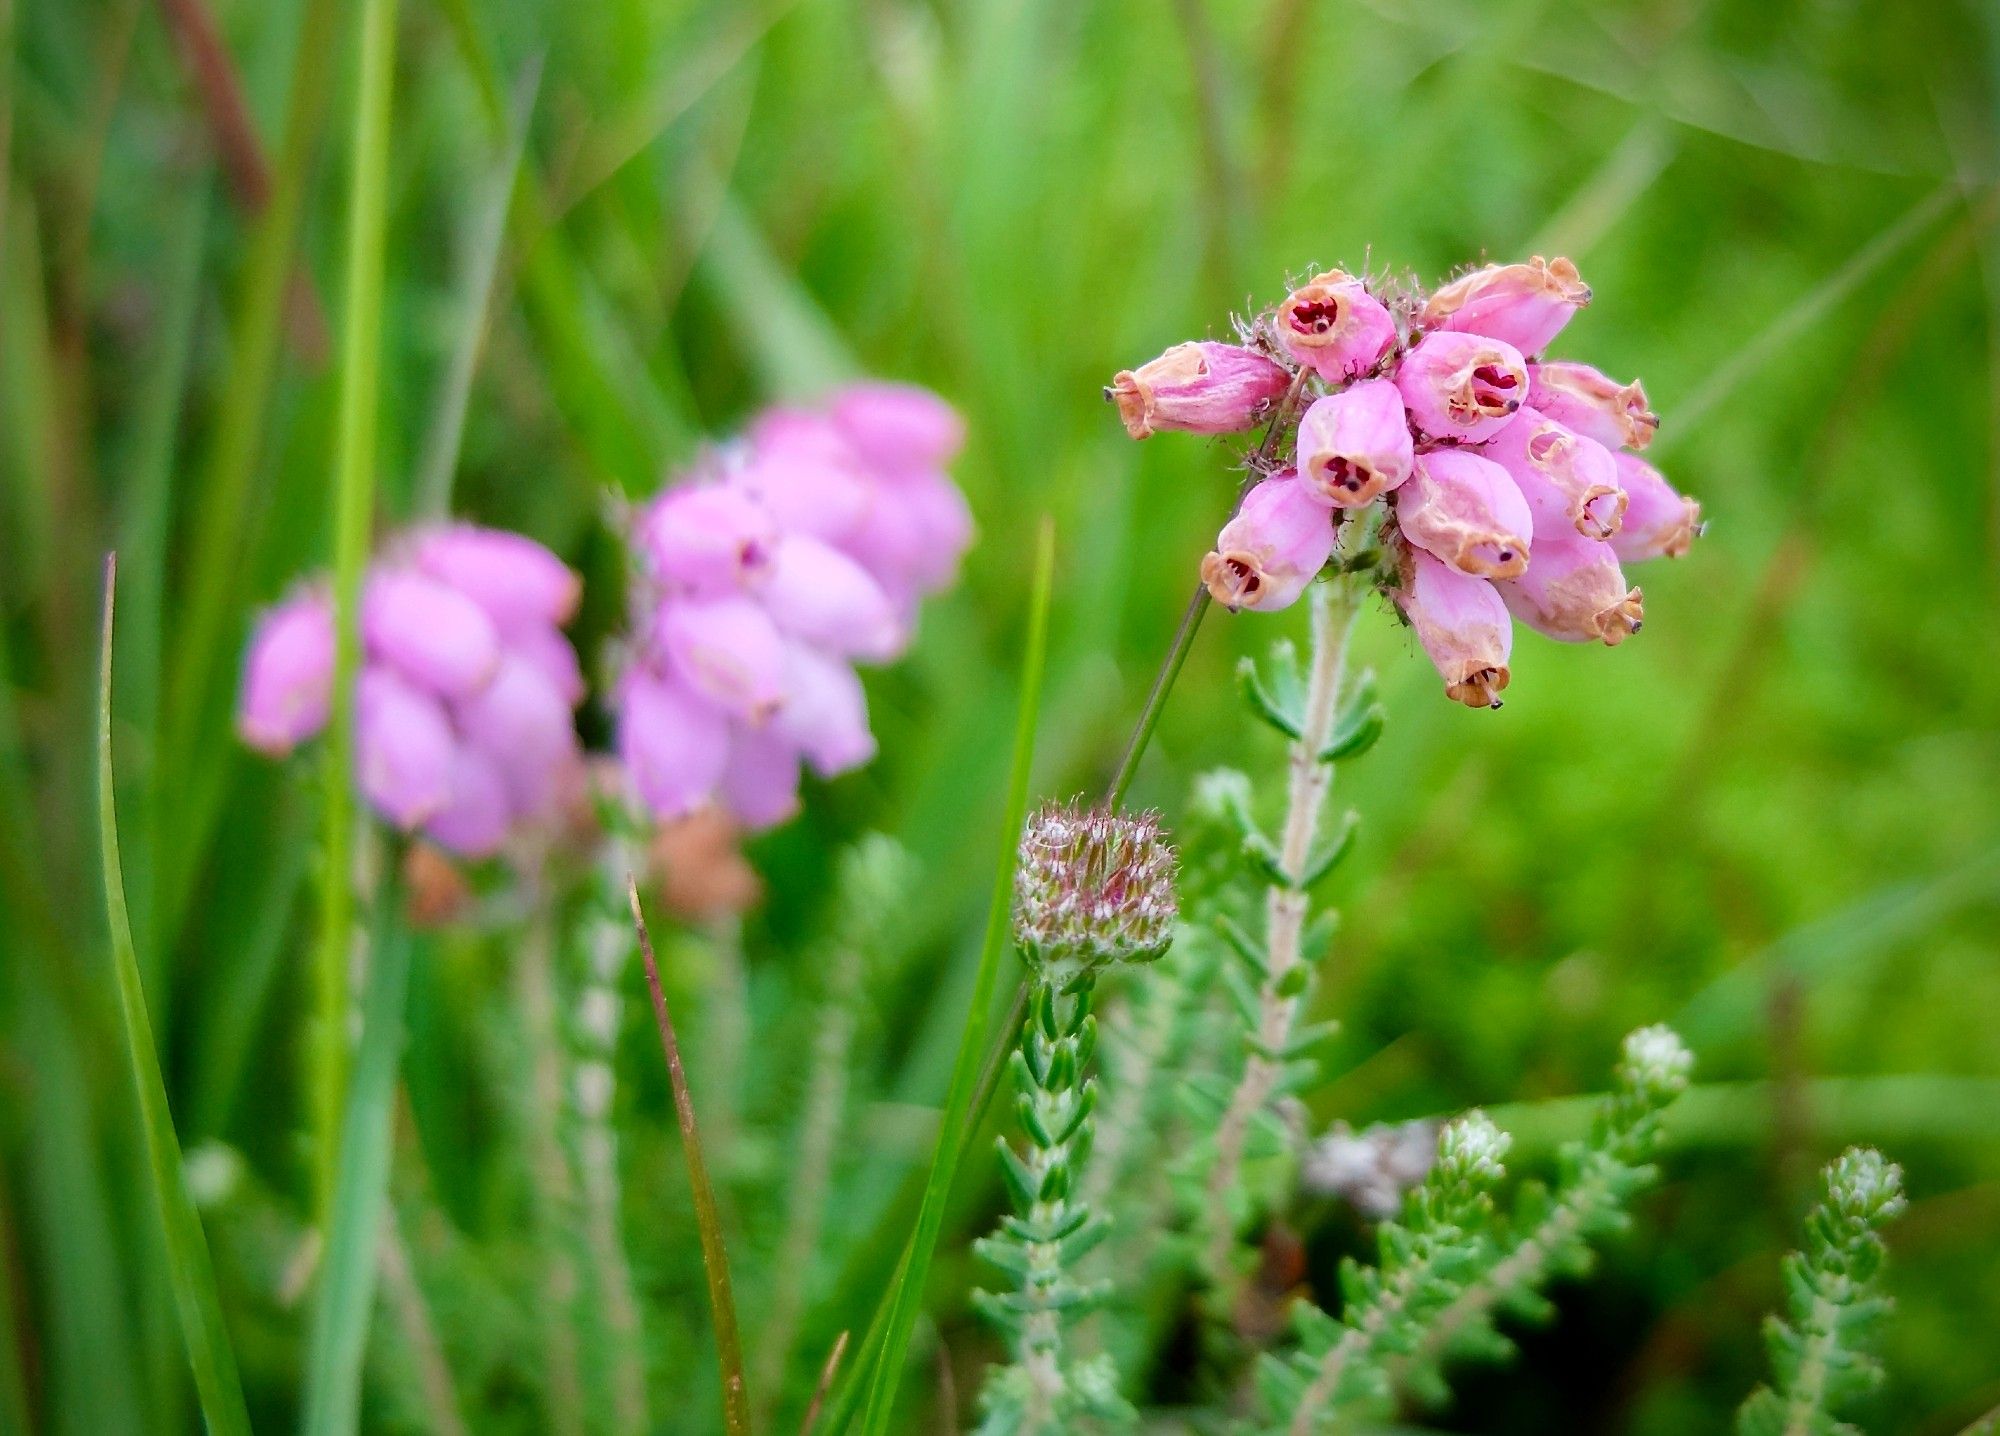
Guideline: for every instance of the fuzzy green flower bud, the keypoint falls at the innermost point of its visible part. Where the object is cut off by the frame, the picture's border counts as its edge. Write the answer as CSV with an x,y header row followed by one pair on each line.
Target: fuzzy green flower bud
x,y
1093,887
1864,1187
1470,1149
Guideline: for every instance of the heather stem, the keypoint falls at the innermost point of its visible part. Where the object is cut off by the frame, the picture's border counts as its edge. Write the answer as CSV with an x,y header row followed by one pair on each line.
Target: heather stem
x,y
420,1335
608,949
819,1131
549,1170
1335,605
1197,609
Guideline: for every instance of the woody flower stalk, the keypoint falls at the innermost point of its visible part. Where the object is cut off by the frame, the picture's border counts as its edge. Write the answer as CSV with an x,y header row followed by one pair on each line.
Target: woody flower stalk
x,y
1093,889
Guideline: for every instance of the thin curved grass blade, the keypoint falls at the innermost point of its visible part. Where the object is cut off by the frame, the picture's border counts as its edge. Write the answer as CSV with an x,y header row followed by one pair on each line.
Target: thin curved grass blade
x,y
954,1130
218,1388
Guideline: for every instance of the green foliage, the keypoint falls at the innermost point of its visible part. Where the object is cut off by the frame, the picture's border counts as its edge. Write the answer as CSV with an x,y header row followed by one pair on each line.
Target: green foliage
x,y
1045,1388
1552,1229
1426,1259
1786,213
197,1302
906,1290
1823,1356
1449,1264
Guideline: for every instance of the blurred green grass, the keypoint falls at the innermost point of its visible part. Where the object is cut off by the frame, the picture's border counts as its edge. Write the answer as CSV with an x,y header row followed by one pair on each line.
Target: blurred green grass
x,y
1789,779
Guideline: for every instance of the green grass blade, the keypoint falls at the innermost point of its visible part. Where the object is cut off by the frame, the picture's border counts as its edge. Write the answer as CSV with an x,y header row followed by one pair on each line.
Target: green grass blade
x,y
1810,308
217,1385
354,498
1907,1108
441,447
346,1297
646,120
708,1220
952,1129
783,332
219,535
145,523
1729,1012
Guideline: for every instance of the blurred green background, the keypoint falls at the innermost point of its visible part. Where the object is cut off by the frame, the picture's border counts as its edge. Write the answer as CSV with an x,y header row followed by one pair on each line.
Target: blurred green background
x,y
1773,819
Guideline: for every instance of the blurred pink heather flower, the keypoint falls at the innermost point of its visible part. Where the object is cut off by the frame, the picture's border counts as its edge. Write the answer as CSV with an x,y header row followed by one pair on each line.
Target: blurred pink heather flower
x,y
1525,305
1411,432
1202,388
776,564
466,690
1093,887
1333,326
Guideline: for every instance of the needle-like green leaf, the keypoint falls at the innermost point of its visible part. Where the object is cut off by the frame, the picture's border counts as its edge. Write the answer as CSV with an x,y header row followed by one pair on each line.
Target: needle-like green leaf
x,y
953,1132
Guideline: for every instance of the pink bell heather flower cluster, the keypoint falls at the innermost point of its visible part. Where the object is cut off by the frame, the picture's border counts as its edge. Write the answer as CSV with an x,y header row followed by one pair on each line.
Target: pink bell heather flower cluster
x,y
466,690
1504,485
779,563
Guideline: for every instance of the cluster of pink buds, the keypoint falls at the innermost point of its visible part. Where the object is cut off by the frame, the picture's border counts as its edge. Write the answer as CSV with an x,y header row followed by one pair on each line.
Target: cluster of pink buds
x,y
1501,484
779,563
466,690
1093,887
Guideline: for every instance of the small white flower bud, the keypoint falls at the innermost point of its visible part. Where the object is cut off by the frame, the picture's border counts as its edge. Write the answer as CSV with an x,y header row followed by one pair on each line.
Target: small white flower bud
x,y
1655,1062
1470,1148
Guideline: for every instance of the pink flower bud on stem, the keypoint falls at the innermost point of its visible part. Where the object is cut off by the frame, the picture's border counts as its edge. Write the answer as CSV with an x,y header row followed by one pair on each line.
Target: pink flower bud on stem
x,y
1093,887
1335,327
514,579
1574,591
898,425
1597,407
708,539
728,651
1569,481
1525,305
825,713
521,722
1199,388
429,632
760,783
288,677
1463,627
817,593
406,751
1659,523
473,823
1266,555
1462,386
1355,445
673,743
1465,510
